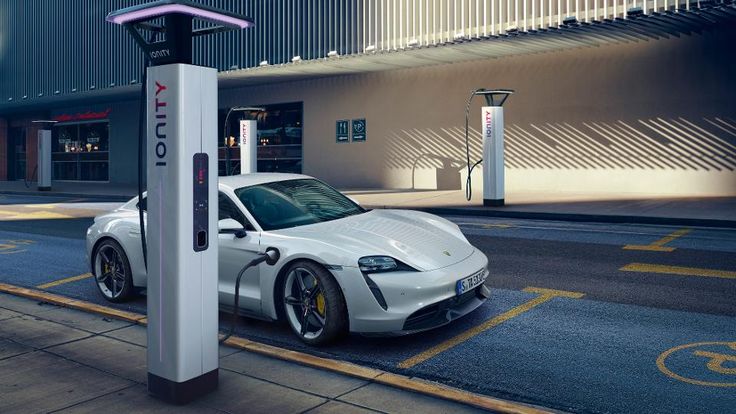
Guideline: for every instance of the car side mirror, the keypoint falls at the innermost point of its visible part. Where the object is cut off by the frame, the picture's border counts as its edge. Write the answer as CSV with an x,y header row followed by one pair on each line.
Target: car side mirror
x,y
231,226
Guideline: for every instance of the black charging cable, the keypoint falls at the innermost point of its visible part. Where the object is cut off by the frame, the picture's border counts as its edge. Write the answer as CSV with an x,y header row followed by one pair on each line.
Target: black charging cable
x,y
468,182
271,256
142,132
33,174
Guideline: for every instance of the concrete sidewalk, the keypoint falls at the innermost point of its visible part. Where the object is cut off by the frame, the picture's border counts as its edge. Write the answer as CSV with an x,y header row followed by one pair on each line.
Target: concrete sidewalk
x,y
703,211
696,211
55,359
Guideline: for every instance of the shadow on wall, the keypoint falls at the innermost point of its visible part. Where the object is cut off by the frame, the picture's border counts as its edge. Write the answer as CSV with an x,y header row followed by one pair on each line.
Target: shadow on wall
x,y
708,144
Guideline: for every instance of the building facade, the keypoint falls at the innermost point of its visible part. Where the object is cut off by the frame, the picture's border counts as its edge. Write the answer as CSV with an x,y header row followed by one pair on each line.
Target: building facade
x,y
612,98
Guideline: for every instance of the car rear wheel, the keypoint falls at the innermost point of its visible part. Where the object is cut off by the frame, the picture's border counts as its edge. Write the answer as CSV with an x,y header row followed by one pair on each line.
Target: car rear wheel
x,y
314,304
112,272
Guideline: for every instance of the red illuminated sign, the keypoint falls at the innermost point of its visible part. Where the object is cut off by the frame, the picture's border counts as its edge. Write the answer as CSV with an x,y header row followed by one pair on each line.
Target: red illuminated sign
x,y
83,116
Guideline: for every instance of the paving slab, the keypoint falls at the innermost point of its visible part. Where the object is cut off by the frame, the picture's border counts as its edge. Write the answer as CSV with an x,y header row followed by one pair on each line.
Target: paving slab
x,y
238,393
84,320
38,333
41,382
136,334
25,306
109,355
134,399
312,380
391,400
337,407
7,314
10,348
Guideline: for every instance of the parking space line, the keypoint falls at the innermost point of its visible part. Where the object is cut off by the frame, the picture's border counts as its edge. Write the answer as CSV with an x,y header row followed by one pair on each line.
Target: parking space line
x,y
677,270
66,280
544,296
659,245
347,368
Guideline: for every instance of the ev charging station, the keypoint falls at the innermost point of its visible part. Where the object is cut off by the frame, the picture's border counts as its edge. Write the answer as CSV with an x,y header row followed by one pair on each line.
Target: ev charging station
x,y
181,114
249,143
248,146
492,130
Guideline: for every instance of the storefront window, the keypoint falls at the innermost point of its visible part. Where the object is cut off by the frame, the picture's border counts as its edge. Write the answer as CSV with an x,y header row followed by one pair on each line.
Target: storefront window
x,y
80,152
279,139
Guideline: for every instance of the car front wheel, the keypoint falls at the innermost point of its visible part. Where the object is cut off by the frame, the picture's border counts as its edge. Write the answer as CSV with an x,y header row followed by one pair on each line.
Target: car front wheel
x,y
314,304
112,272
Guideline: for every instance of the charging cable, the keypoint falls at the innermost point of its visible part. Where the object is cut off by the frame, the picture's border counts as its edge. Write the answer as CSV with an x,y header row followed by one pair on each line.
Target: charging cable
x,y
33,174
469,182
271,256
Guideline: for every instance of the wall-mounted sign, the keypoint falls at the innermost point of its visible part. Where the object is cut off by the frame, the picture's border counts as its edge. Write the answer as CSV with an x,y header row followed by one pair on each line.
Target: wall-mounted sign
x,y
83,116
342,133
359,130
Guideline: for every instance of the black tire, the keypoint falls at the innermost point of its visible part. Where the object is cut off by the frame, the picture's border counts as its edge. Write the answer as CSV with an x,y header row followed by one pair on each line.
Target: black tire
x,y
332,307
108,279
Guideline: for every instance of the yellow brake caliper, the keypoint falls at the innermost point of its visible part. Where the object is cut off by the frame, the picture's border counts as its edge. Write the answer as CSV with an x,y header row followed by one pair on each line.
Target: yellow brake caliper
x,y
320,300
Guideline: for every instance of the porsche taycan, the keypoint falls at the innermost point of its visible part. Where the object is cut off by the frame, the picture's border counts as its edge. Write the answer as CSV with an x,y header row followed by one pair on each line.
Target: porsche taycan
x,y
342,268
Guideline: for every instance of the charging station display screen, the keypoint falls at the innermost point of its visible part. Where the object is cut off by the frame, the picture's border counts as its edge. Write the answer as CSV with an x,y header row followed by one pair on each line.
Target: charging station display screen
x,y
201,208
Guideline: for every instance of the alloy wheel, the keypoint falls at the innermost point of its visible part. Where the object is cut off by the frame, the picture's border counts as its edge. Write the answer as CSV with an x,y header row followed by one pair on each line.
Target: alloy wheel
x,y
305,303
110,272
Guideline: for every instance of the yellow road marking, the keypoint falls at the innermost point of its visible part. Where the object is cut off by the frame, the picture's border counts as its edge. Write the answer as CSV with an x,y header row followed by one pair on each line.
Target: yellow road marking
x,y
12,251
544,296
369,374
677,270
496,226
659,245
62,281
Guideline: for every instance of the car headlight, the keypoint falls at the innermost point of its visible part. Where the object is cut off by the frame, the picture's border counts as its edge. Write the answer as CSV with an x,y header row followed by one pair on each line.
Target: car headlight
x,y
378,264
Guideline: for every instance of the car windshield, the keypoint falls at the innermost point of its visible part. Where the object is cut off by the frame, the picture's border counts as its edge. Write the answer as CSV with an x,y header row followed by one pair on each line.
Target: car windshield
x,y
291,203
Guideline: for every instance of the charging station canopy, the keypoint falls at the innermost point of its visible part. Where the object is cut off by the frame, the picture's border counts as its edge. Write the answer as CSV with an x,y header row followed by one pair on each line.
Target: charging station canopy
x,y
177,18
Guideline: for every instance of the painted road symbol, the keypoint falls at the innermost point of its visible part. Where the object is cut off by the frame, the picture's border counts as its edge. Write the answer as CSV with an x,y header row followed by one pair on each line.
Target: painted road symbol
x,y
702,363
13,246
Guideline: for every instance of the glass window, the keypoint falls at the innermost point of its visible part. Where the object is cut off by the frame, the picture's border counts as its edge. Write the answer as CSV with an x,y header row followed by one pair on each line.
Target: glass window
x,y
292,203
80,152
227,209
279,139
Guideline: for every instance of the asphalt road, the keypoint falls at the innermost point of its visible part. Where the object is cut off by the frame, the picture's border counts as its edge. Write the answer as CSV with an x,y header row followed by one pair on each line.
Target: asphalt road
x,y
592,318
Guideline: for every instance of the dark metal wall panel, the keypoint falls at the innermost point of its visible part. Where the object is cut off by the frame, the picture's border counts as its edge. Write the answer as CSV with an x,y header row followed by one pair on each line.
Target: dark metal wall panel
x,y
62,47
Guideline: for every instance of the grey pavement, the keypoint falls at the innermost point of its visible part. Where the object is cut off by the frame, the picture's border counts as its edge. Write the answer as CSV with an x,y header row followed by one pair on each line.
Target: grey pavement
x,y
618,208
54,359
623,208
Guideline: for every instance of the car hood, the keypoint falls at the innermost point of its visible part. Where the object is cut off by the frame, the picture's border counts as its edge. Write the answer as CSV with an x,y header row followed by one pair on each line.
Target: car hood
x,y
420,240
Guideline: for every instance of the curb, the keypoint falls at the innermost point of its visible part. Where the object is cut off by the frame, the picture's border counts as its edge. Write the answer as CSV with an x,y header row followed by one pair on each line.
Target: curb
x,y
402,382
595,218
110,197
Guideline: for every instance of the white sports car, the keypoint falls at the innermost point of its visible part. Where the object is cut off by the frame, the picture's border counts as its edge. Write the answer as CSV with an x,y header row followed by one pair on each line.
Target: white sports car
x,y
341,268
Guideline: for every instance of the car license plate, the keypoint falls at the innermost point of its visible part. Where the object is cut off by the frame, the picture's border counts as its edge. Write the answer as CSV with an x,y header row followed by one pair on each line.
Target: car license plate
x,y
470,282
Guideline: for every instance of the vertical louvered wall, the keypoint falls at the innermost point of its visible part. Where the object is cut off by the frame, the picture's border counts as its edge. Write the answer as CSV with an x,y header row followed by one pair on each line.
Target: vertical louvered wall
x,y
59,47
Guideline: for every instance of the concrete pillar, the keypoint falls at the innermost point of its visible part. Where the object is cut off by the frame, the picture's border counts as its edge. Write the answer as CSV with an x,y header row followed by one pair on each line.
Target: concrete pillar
x,y
31,150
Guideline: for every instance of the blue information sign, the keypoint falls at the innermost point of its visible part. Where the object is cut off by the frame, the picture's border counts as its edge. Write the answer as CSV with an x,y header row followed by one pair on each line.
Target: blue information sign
x,y
341,130
359,129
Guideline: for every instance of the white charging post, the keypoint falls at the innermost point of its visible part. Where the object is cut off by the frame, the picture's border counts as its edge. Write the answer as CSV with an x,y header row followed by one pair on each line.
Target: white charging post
x,y
248,146
493,160
249,142
182,198
43,169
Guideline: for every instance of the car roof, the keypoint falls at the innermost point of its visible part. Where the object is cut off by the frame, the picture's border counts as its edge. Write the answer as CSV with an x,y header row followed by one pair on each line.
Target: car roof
x,y
234,182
